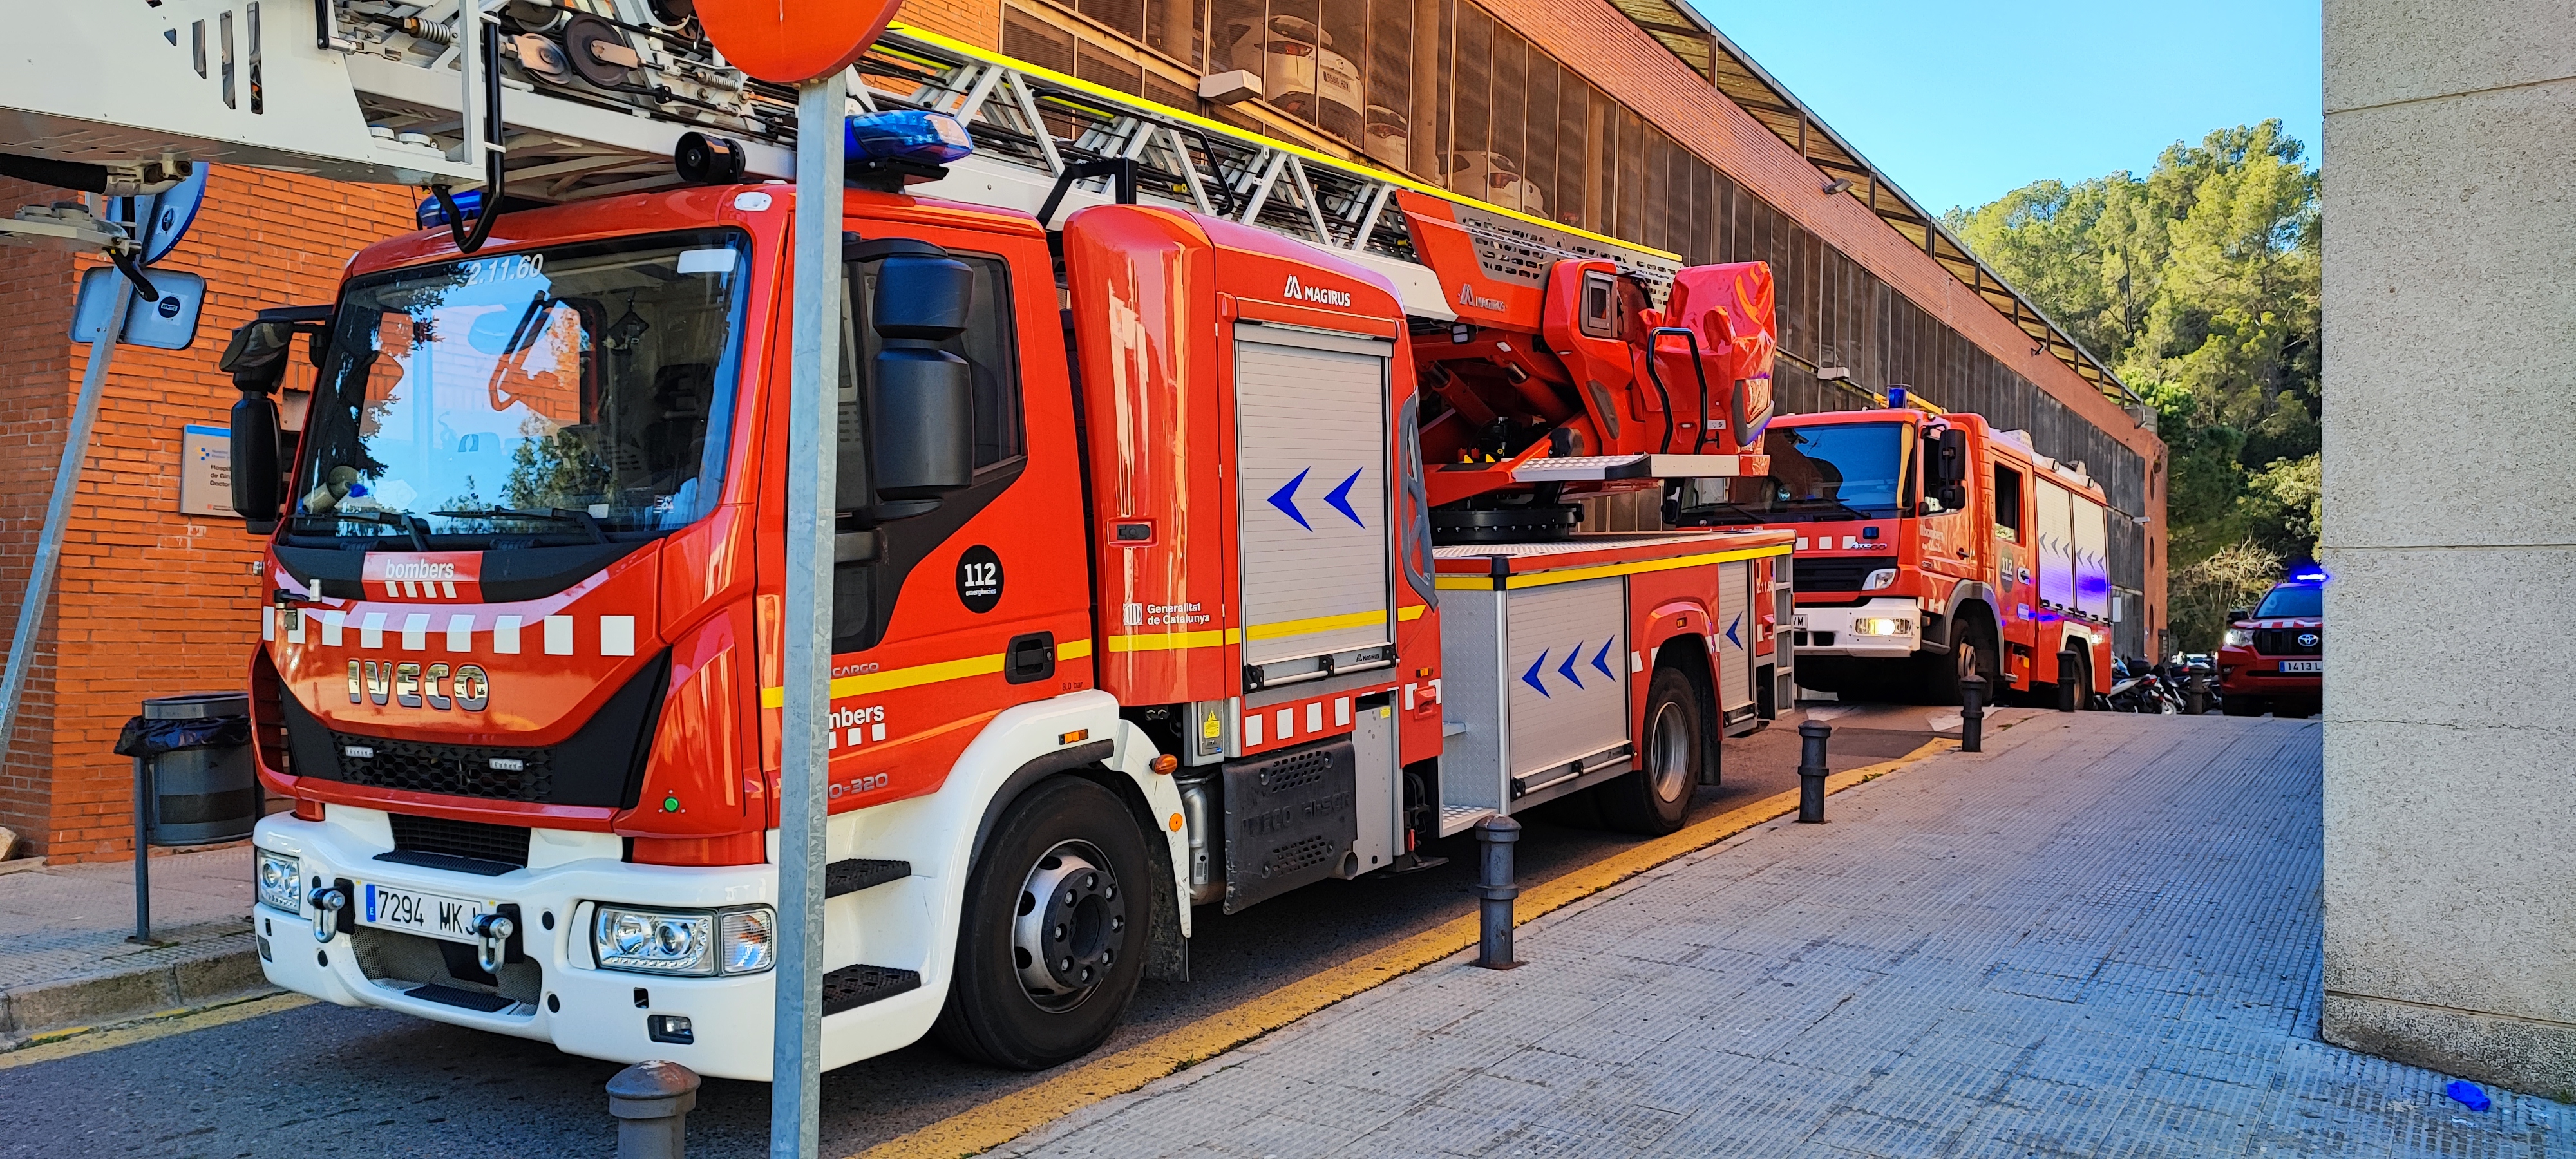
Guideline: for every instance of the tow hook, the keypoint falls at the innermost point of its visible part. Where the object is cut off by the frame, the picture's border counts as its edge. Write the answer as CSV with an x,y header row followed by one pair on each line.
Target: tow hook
x,y
494,932
327,905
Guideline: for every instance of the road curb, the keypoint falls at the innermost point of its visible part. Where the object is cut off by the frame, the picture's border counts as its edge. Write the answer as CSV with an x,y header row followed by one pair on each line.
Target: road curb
x,y
229,968
996,1123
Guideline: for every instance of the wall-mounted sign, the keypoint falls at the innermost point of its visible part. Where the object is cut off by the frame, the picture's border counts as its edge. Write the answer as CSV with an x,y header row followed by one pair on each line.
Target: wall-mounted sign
x,y
206,471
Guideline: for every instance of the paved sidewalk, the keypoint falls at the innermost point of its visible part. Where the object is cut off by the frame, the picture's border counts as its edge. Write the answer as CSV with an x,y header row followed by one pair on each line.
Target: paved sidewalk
x,y
65,957
2099,938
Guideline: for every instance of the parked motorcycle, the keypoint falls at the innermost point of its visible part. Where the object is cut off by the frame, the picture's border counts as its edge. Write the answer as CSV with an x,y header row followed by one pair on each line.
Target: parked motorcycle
x,y
2139,686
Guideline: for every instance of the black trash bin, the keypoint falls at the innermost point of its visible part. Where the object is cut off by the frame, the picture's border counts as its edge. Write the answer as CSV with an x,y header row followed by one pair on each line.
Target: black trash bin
x,y
194,781
196,784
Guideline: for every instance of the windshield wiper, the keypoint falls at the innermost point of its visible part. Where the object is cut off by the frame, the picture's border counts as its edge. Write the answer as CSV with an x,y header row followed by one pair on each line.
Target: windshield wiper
x,y
1747,514
409,525
550,515
1837,505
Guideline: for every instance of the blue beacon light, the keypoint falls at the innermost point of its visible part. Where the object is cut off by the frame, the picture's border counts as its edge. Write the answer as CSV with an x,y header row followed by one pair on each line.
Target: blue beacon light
x,y
914,135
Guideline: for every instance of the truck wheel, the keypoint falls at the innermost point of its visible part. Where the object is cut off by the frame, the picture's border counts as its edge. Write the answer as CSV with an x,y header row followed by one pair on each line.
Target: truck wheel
x,y
2242,706
1972,651
1654,799
1052,942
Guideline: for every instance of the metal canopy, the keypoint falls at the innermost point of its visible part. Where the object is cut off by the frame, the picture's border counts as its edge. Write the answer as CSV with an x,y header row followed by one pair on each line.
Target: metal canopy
x,y
1709,53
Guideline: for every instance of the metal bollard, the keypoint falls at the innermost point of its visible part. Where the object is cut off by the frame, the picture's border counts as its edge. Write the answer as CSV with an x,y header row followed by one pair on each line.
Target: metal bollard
x,y
2070,697
2195,694
1972,713
1811,771
1495,836
652,1101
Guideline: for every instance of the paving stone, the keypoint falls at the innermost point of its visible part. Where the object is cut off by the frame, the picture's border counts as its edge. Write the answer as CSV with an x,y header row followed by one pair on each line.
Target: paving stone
x,y
2100,940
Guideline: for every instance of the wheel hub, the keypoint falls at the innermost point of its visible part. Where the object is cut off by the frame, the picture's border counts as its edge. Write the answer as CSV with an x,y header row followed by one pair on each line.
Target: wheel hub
x,y
1071,924
1668,753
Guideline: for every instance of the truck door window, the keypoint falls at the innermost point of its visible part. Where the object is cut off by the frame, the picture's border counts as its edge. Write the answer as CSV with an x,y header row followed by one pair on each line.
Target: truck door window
x,y
2007,504
990,345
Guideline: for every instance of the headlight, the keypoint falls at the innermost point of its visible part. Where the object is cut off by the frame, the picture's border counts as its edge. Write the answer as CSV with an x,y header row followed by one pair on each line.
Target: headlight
x,y
685,943
1884,577
1879,627
2239,638
281,881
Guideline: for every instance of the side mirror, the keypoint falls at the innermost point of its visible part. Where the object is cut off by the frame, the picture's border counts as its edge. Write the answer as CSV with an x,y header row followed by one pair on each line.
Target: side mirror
x,y
2236,614
254,457
256,357
1950,459
1953,496
924,442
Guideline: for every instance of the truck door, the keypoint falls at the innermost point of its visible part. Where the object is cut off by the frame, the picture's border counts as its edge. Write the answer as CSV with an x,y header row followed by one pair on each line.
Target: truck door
x,y
949,609
2012,555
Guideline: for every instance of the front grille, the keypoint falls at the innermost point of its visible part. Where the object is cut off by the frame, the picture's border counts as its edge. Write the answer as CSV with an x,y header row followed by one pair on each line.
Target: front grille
x,y
1836,574
507,844
2286,642
504,774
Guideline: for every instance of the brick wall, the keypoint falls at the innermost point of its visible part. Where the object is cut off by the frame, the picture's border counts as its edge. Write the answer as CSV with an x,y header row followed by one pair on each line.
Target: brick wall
x,y
977,22
148,602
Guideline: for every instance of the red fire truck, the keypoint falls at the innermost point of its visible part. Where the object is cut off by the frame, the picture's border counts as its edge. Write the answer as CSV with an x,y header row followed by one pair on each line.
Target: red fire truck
x,y
1180,563
1931,546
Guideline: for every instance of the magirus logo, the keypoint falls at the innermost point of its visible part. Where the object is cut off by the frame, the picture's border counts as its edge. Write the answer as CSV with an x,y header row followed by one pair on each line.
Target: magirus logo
x,y
1467,297
1316,294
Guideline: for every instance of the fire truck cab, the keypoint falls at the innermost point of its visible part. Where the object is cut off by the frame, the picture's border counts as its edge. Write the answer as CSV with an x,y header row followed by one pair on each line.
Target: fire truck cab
x,y
1930,546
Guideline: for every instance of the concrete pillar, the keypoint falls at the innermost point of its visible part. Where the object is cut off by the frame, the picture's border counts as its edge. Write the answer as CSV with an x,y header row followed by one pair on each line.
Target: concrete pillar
x,y
2450,421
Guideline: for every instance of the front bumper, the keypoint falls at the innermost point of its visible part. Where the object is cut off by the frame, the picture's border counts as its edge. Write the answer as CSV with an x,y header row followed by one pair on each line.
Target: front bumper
x,y
1829,631
568,1002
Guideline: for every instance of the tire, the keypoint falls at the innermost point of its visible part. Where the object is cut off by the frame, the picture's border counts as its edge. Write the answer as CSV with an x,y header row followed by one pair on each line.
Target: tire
x,y
2243,706
2083,682
1076,841
1653,800
1972,650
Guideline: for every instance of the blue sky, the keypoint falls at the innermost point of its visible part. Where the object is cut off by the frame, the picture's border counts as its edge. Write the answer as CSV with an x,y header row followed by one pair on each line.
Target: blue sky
x,y
1960,102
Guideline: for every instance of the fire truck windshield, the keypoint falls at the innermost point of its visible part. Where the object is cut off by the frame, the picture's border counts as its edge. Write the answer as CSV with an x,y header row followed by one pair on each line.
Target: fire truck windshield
x,y
1820,473
565,395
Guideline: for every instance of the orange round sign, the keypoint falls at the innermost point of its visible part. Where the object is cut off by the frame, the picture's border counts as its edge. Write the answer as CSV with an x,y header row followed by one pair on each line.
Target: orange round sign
x,y
794,41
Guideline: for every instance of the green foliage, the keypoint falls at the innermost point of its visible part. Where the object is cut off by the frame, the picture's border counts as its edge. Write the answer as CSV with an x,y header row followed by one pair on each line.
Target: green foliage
x,y
553,470
2197,284
2200,596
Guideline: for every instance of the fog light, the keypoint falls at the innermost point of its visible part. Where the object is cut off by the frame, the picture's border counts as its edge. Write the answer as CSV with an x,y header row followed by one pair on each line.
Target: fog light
x,y
672,1028
1881,627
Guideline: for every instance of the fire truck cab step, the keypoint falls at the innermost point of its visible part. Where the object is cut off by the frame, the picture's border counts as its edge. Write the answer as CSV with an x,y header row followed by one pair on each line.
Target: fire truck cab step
x,y
851,987
850,875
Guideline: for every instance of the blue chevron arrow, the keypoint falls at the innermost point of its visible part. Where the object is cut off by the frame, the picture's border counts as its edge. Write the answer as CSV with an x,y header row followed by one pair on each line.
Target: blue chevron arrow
x,y
1731,626
1340,498
1599,657
1567,669
1285,499
1531,677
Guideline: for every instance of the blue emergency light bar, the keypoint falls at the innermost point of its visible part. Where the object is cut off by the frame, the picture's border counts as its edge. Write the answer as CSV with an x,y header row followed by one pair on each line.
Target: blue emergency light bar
x,y
914,135
2307,571
1896,398
430,216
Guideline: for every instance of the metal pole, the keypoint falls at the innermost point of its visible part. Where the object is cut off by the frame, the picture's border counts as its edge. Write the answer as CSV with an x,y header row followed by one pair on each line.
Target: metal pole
x,y
1972,713
1495,837
796,1059
142,856
58,514
652,1101
1811,771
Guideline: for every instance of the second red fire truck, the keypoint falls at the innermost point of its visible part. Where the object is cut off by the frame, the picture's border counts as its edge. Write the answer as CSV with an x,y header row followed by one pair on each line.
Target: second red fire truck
x,y
1930,546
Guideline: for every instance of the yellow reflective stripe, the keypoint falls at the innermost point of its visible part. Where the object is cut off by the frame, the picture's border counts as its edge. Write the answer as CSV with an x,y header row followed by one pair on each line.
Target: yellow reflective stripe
x,y
1461,583
1175,641
1313,624
1117,98
920,674
1214,638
